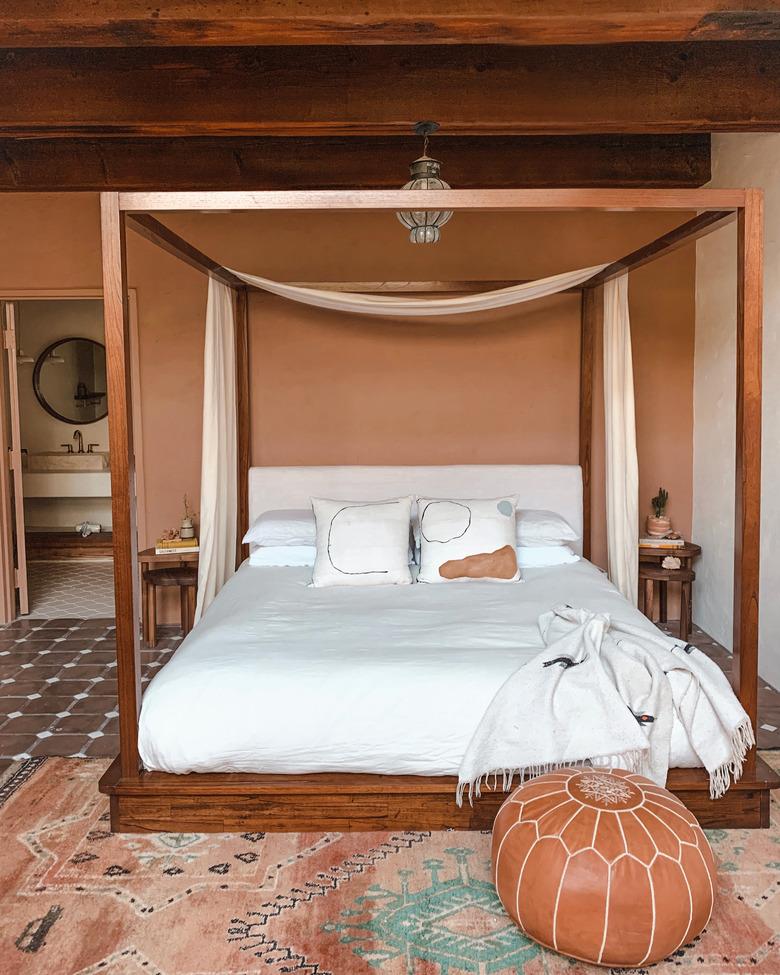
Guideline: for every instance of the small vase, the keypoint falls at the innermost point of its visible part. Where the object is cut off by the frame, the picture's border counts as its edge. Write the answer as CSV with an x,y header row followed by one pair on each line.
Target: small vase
x,y
658,527
187,530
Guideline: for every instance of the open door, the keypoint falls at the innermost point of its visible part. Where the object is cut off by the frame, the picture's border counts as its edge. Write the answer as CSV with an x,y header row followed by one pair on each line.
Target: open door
x,y
12,437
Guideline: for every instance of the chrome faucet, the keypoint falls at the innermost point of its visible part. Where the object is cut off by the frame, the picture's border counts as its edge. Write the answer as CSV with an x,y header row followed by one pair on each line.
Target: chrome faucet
x,y
77,436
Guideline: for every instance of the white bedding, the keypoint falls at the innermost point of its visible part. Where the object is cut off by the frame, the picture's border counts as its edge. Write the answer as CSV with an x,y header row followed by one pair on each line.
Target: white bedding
x,y
280,677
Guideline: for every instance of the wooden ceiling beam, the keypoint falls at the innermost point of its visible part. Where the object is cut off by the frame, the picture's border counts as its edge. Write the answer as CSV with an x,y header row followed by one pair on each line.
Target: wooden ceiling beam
x,y
157,233
130,23
327,91
693,229
346,162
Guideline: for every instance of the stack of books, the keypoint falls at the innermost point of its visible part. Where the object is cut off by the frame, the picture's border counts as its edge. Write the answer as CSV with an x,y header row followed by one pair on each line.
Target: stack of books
x,y
171,546
669,543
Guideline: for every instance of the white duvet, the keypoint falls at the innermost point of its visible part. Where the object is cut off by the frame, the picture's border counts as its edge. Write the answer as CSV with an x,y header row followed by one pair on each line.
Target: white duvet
x,y
280,677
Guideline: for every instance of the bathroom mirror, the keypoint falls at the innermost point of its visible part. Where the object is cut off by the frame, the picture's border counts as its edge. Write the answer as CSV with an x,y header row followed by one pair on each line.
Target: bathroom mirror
x,y
69,380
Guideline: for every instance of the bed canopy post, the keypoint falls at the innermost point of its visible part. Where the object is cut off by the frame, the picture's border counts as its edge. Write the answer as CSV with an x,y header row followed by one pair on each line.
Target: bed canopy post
x,y
592,308
243,419
120,434
747,494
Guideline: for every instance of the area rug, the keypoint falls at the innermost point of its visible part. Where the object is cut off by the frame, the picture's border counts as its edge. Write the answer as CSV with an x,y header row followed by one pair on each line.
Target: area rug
x,y
77,900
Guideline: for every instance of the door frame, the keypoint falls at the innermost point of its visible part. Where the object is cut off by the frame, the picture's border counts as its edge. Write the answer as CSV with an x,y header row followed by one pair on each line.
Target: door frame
x,y
8,586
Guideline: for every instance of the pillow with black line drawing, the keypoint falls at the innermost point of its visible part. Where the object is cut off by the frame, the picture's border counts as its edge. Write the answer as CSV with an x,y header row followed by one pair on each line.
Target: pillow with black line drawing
x,y
463,540
362,543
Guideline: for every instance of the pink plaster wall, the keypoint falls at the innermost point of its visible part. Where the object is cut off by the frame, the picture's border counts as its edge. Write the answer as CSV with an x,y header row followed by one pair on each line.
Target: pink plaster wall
x,y
328,388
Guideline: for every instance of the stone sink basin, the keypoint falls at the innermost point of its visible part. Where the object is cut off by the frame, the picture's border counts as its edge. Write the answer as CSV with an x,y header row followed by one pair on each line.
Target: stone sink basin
x,y
63,462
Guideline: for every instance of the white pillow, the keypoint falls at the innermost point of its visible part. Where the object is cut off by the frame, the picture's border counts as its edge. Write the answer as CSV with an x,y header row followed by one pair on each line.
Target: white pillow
x,y
539,557
283,555
362,543
472,539
537,527
287,526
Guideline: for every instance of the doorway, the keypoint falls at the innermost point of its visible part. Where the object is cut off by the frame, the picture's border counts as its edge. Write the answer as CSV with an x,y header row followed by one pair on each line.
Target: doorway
x,y
56,544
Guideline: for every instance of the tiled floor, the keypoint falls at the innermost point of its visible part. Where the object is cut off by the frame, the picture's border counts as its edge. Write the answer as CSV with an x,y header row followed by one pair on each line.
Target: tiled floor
x,y
74,588
58,687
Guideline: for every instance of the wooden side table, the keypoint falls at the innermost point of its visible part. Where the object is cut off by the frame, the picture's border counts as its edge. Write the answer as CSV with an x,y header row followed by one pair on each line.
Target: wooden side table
x,y
148,559
652,572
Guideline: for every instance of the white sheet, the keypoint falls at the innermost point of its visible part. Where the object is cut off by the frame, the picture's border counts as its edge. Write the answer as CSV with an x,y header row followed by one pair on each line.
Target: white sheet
x,y
280,677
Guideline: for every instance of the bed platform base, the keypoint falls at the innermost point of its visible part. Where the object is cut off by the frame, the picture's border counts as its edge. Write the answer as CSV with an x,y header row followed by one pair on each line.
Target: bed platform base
x,y
229,802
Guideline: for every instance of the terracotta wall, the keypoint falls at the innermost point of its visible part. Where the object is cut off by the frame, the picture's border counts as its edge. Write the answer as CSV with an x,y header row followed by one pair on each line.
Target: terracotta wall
x,y
328,388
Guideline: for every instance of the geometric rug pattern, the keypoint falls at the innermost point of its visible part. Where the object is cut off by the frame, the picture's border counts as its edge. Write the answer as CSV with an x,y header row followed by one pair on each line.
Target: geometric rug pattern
x,y
76,899
71,588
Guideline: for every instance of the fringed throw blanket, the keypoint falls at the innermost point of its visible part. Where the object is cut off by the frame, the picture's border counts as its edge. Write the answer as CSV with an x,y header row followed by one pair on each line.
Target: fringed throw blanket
x,y
605,692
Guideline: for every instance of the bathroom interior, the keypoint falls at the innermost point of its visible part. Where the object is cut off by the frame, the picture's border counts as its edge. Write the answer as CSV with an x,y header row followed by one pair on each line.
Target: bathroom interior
x,y
63,428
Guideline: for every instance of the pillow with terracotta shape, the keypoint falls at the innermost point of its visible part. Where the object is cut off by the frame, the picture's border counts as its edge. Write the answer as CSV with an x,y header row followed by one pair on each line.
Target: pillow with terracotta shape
x,y
467,540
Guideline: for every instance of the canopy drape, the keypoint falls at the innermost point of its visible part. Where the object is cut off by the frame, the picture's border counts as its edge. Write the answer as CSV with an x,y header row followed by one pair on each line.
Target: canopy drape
x,y
219,476
423,307
219,472
622,474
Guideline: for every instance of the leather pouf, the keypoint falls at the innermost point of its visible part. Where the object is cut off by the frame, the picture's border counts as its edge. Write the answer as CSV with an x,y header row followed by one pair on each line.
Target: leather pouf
x,y
603,865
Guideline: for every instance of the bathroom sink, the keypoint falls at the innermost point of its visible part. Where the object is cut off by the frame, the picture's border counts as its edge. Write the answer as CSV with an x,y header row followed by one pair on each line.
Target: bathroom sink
x,y
62,462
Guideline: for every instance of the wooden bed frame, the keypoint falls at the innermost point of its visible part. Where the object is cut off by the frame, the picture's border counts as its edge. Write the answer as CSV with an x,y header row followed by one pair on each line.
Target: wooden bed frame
x,y
215,802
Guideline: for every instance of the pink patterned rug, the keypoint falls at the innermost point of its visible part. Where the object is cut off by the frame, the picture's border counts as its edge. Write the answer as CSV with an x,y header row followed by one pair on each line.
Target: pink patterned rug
x,y
77,900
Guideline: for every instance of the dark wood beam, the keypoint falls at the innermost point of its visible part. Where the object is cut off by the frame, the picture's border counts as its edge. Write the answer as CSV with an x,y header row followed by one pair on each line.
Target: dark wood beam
x,y
327,91
243,421
151,229
346,162
747,471
590,326
123,500
118,23
698,226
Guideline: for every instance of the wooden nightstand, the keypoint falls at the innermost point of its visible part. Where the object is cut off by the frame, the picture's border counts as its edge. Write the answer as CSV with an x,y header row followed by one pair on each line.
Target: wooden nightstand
x,y
651,572
148,559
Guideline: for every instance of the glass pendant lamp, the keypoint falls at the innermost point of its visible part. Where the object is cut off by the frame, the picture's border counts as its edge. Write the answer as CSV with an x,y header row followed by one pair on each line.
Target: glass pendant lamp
x,y
424,225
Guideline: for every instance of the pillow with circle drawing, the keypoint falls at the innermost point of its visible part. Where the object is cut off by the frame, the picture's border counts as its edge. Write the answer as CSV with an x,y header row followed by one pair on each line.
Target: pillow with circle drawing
x,y
362,543
463,540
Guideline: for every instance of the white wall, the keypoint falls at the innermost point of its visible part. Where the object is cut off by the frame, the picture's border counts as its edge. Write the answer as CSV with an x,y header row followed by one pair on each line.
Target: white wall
x,y
737,160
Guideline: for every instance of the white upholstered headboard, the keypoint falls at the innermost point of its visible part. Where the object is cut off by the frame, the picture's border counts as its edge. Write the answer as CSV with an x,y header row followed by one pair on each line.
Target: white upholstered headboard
x,y
556,487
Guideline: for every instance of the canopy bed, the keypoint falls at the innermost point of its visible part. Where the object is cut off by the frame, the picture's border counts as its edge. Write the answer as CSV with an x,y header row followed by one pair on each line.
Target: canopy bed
x,y
301,797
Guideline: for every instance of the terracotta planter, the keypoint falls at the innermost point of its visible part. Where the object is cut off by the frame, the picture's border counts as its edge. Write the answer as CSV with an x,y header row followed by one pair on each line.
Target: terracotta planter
x,y
658,527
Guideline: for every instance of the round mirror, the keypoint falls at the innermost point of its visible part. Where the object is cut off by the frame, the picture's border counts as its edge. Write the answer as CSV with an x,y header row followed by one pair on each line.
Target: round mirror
x,y
69,380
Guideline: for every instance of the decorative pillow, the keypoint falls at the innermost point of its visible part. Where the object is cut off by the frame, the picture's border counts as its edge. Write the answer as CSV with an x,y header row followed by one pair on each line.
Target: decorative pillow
x,y
283,555
285,526
538,527
539,557
467,540
362,543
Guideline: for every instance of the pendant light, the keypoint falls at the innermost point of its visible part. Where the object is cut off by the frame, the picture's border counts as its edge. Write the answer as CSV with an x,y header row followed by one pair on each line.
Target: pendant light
x,y
424,224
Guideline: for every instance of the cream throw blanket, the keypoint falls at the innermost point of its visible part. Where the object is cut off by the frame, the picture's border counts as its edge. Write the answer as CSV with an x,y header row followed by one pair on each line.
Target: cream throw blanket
x,y
600,693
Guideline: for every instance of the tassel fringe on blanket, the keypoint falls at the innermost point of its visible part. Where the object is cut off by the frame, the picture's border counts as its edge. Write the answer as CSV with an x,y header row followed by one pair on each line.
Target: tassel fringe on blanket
x,y
607,694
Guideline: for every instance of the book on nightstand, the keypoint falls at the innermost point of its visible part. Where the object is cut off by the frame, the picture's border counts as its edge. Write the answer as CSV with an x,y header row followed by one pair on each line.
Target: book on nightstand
x,y
176,546
661,542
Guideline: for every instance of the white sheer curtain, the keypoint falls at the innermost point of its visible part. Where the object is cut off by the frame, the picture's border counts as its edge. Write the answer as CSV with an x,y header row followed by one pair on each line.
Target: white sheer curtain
x,y
622,480
423,307
219,474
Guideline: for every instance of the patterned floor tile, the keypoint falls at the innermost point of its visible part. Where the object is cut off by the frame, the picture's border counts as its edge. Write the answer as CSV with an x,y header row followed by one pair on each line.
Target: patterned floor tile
x,y
62,589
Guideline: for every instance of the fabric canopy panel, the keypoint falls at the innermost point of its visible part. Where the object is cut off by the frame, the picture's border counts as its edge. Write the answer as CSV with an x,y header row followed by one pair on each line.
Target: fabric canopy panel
x,y
622,480
219,472
393,305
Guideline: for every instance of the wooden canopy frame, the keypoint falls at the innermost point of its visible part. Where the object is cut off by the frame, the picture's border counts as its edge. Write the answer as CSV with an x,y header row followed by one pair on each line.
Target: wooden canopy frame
x,y
142,800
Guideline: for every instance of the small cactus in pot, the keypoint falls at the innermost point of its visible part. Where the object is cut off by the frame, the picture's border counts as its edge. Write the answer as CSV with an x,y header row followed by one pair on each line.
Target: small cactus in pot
x,y
658,525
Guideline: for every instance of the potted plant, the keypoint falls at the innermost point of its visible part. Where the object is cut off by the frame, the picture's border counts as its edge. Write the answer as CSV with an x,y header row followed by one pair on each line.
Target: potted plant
x,y
658,525
187,529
